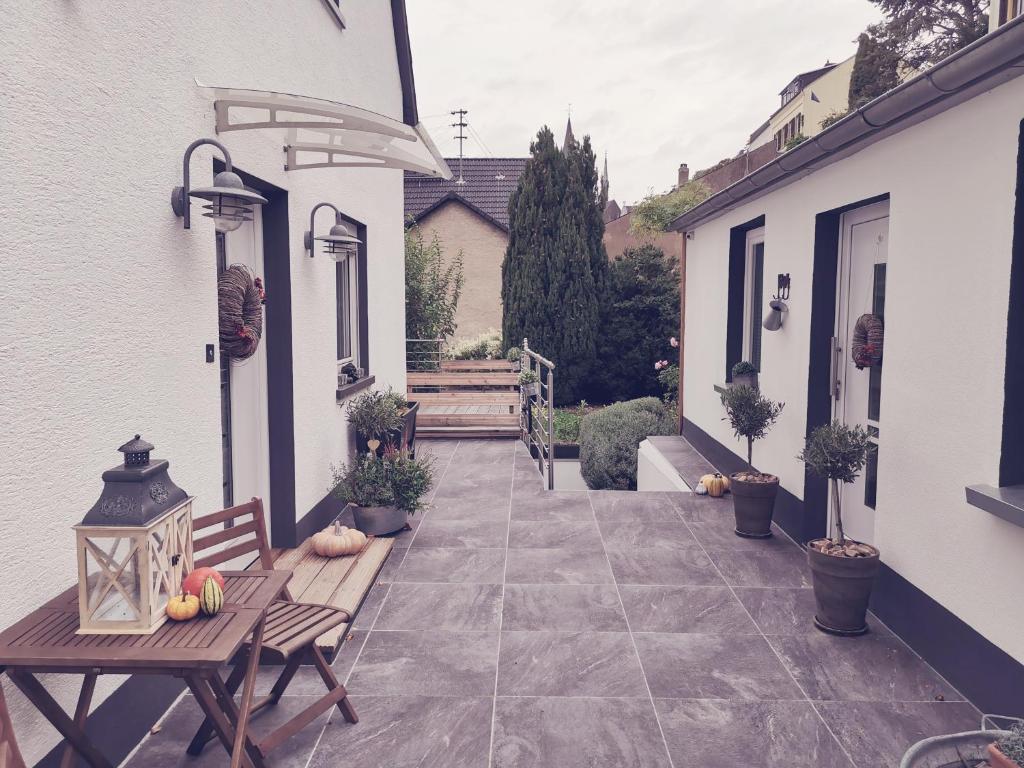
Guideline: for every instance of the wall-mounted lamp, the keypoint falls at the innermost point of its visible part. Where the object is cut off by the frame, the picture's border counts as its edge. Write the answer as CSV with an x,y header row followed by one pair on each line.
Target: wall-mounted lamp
x,y
340,242
777,306
230,202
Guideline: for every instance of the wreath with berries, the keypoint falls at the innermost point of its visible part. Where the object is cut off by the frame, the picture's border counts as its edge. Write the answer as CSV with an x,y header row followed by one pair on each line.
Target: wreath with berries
x,y
240,298
868,337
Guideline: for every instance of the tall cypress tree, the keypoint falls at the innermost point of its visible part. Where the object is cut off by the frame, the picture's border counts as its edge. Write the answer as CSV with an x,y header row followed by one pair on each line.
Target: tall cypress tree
x,y
555,268
874,70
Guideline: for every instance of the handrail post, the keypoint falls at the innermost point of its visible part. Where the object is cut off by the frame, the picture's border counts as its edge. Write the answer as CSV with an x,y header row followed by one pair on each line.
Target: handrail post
x,y
551,430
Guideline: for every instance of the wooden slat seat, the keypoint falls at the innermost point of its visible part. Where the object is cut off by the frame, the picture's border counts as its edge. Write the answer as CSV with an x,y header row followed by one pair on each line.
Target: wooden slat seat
x,y
290,631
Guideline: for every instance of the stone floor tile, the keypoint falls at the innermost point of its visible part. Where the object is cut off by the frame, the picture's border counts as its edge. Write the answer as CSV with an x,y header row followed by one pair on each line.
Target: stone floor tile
x,y
631,506
867,668
427,663
574,535
552,505
433,564
690,666
705,610
374,599
577,733
650,534
569,664
752,734
877,734
475,533
409,732
703,509
681,566
556,566
787,610
563,607
441,606
721,534
763,568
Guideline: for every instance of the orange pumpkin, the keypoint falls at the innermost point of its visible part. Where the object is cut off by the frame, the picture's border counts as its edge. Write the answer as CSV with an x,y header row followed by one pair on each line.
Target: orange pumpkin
x,y
183,607
715,484
193,583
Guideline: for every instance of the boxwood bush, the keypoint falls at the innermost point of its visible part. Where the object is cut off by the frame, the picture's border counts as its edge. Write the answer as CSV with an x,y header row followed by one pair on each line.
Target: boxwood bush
x,y
609,439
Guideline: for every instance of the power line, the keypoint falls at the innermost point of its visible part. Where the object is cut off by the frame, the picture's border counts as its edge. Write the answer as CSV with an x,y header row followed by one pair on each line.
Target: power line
x,y
461,136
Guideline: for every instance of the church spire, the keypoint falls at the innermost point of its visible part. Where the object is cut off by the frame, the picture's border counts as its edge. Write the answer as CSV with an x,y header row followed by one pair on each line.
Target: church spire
x,y
568,133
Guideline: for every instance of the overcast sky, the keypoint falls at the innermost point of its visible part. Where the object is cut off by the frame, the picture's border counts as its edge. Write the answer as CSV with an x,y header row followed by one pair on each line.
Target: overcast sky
x,y
654,82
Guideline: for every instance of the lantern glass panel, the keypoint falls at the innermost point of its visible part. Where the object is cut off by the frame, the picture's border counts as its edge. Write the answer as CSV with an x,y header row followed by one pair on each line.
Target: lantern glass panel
x,y
114,578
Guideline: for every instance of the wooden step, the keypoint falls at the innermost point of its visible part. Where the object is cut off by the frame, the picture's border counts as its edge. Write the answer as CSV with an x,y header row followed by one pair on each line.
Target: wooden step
x,y
425,379
466,397
468,433
476,365
428,420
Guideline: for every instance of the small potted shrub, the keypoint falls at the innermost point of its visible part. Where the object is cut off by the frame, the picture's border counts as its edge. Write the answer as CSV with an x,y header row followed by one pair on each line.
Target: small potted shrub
x,y
384,490
1008,752
513,356
384,417
744,374
751,415
842,570
529,383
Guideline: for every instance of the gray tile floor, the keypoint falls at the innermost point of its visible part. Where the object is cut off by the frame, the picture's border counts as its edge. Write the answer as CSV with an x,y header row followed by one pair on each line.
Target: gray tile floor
x,y
520,628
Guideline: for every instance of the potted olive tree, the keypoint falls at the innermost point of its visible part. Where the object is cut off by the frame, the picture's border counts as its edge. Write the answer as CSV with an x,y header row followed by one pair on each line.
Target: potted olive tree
x,y
385,418
842,570
1008,751
744,374
751,415
384,490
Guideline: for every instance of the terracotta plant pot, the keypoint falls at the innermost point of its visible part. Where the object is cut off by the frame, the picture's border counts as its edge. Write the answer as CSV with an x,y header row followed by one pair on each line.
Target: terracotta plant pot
x,y
997,759
377,521
842,588
753,504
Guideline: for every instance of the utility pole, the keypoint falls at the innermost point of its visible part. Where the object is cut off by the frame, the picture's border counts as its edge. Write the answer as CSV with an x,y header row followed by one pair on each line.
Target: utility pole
x,y
461,136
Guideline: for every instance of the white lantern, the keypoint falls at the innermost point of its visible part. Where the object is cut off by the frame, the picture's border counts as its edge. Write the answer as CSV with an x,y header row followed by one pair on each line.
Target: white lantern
x,y
133,546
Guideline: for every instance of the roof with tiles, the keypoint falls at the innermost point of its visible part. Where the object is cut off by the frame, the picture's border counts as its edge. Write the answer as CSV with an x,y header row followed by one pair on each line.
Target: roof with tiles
x,y
489,182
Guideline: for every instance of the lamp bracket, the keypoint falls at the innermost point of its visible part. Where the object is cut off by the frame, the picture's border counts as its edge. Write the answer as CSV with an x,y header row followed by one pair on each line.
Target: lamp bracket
x,y
180,203
782,292
308,237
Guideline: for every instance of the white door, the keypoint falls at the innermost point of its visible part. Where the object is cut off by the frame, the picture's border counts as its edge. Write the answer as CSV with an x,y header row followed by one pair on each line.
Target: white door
x,y
250,456
857,392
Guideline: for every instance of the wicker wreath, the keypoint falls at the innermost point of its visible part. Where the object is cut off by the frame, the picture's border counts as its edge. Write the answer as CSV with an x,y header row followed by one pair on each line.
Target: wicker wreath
x,y
240,301
868,336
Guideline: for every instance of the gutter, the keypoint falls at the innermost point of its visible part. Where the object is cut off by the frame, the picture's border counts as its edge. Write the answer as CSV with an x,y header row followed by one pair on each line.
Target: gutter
x,y
984,64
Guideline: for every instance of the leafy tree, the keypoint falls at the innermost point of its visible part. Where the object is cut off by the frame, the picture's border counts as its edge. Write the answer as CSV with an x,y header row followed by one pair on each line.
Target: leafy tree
x,y
833,117
553,272
923,32
609,439
837,453
875,70
655,212
643,313
432,289
751,415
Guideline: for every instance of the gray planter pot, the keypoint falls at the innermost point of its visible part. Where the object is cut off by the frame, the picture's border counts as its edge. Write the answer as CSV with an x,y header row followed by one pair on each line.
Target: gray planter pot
x,y
842,588
532,389
753,505
376,521
745,380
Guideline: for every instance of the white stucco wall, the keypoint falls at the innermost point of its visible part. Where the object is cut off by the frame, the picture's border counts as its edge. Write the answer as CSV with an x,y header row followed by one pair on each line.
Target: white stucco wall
x,y
108,303
951,185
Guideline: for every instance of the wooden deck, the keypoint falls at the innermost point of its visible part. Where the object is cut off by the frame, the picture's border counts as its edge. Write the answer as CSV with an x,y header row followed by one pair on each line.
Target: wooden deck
x,y
341,582
466,399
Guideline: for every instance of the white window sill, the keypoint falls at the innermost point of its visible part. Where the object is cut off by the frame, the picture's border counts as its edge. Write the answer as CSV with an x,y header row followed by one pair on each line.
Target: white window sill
x,y
346,391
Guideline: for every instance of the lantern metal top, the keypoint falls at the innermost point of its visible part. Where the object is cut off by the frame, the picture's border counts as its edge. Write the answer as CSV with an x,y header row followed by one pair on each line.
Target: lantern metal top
x,y
136,492
228,184
340,234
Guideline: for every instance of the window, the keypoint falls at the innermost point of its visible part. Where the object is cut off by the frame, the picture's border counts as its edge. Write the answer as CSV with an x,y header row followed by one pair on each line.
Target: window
x,y
347,292
334,6
753,295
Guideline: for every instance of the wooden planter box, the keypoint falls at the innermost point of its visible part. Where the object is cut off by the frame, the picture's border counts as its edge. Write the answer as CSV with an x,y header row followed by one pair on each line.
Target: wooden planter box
x,y
404,437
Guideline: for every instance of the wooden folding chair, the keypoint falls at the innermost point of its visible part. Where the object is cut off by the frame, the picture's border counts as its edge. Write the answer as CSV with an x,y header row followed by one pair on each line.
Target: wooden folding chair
x,y
291,628
10,755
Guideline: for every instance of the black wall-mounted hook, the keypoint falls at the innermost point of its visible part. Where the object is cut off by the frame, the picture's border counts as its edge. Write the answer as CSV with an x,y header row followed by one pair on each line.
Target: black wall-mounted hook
x,y
782,293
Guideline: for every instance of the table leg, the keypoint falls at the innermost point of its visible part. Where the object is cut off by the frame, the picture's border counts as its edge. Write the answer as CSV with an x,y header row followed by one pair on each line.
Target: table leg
x,y
205,732
251,668
67,760
219,720
51,710
227,704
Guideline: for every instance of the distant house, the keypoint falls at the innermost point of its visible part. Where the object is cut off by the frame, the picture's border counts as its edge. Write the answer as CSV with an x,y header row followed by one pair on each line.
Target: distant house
x,y
469,213
805,101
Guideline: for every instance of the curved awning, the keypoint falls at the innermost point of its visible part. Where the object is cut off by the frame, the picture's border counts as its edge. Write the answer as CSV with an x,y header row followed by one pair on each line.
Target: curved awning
x,y
318,133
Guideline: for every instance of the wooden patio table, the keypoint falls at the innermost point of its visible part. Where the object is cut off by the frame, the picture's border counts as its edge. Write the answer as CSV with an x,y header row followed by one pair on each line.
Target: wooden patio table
x,y
196,650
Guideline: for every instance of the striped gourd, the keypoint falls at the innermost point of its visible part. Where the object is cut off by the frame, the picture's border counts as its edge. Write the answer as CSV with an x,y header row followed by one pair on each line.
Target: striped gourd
x,y
211,597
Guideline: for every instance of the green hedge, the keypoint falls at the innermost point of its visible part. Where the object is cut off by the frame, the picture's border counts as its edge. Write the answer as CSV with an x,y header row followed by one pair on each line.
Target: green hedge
x,y
609,439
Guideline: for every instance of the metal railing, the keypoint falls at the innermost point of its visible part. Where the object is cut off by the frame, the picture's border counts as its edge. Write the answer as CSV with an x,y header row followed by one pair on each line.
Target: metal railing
x,y
424,354
537,414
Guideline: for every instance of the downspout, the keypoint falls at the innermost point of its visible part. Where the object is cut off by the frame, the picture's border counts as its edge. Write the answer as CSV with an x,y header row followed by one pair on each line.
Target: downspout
x,y
682,325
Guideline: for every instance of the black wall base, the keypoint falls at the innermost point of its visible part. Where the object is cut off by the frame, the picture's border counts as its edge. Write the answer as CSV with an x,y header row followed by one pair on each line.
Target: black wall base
x,y
988,676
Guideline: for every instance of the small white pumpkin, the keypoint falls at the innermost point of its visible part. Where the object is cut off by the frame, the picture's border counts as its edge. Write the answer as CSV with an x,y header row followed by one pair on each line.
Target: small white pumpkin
x,y
700,490
337,540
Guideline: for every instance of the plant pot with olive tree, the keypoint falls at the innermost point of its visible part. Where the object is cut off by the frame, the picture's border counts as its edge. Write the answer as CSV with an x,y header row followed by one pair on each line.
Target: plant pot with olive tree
x,y
751,415
384,490
381,419
842,570
744,374
1008,751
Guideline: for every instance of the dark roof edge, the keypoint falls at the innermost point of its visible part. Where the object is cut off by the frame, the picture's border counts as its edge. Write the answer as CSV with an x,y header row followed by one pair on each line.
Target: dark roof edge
x,y
400,22
448,198
970,71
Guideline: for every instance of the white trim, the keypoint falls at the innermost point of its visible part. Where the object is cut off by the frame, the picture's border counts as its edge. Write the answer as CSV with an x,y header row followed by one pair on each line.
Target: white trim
x,y
754,237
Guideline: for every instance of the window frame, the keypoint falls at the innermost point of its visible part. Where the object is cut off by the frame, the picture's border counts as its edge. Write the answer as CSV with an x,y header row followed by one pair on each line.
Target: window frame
x,y
739,320
753,295
348,270
334,6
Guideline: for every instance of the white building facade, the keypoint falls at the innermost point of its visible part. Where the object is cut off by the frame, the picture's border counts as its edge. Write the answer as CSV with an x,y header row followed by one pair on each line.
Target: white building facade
x,y
109,324
911,209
